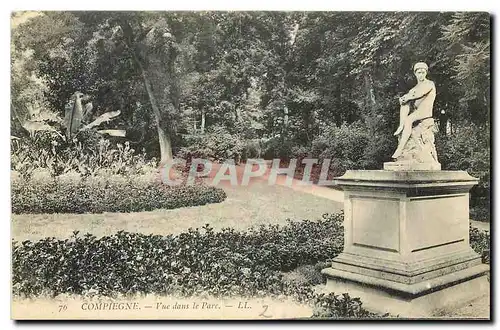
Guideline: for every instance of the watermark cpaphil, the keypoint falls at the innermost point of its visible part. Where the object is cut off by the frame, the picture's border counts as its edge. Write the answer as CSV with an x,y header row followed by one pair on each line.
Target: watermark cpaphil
x,y
258,168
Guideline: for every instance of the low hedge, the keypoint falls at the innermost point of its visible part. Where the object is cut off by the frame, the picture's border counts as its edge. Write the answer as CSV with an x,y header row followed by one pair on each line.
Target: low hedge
x,y
87,196
198,262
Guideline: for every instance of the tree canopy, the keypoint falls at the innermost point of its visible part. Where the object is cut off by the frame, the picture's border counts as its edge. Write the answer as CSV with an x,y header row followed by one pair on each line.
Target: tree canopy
x,y
273,75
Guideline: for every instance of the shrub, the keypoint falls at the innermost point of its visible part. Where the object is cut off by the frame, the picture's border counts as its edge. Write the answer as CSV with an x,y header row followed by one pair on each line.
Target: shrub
x,y
196,262
70,193
340,306
87,155
480,242
216,144
252,148
345,145
278,147
199,260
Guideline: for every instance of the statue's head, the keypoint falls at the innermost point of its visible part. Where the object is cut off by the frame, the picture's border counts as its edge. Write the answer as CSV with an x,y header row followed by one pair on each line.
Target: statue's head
x,y
80,95
420,70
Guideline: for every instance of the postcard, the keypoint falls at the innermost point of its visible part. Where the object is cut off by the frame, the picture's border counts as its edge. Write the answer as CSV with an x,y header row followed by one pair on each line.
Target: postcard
x,y
250,165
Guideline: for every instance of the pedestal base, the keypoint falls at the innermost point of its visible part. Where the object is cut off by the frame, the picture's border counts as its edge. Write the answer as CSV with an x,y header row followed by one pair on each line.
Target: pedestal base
x,y
434,296
406,242
409,277
411,166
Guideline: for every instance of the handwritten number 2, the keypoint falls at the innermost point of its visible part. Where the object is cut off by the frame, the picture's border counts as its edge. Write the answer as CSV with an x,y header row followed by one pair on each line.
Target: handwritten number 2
x,y
264,312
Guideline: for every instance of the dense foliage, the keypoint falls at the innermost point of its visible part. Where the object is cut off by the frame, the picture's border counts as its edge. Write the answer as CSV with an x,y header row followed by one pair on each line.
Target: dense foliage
x,y
480,242
70,193
215,144
89,154
90,175
194,262
212,83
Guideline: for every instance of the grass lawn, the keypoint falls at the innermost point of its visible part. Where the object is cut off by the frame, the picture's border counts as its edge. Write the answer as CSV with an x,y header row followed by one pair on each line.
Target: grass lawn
x,y
255,204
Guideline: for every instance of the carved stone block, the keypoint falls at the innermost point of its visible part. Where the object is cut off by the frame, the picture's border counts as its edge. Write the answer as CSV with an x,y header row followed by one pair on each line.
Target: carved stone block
x,y
406,236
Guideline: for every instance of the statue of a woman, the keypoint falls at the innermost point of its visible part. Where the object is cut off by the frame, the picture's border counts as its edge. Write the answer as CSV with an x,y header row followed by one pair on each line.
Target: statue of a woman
x,y
420,99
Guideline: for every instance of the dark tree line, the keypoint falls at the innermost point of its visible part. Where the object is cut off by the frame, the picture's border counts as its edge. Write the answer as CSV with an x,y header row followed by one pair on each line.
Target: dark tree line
x,y
287,77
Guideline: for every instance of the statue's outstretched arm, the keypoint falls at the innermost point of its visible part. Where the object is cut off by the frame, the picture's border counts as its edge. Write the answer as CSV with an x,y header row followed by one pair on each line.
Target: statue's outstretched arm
x,y
419,92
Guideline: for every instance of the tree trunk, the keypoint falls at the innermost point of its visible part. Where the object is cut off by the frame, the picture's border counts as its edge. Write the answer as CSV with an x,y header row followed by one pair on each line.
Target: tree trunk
x,y
285,118
237,114
370,95
163,137
202,127
165,145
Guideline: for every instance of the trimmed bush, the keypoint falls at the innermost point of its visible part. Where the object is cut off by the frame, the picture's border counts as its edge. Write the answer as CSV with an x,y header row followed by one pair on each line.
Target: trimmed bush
x,y
97,195
216,144
194,262
480,242
199,262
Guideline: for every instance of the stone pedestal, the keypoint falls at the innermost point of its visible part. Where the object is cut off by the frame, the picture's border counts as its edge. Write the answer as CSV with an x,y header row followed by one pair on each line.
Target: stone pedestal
x,y
409,165
406,242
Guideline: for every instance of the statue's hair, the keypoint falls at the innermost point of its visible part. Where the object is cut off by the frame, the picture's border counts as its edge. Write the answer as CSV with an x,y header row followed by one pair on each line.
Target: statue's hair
x,y
420,65
75,94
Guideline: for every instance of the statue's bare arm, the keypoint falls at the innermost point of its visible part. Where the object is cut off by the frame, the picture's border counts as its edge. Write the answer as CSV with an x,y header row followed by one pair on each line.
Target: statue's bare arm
x,y
417,93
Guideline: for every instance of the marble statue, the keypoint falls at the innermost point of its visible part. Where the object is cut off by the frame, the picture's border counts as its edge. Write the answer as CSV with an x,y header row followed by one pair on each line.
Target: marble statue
x,y
406,229
416,149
